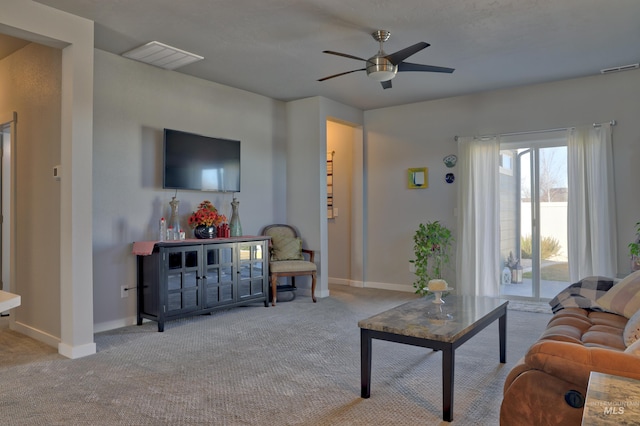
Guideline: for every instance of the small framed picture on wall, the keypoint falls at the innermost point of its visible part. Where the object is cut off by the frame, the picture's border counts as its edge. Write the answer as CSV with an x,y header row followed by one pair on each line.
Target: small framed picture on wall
x,y
418,178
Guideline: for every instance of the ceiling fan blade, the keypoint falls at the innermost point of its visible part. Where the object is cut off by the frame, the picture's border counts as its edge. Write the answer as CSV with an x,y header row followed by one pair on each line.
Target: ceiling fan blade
x,y
406,66
342,73
401,55
345,55
386,84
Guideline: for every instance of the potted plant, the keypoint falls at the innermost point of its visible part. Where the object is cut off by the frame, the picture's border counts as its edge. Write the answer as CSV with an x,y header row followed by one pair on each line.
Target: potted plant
x,y
634,250
432,247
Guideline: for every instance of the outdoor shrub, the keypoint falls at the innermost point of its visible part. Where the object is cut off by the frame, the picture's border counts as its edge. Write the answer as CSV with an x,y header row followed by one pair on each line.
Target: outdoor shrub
x,y
550,247
525,247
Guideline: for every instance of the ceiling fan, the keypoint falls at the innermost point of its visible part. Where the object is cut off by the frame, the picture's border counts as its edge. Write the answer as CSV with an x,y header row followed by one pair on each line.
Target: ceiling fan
x,y
382,67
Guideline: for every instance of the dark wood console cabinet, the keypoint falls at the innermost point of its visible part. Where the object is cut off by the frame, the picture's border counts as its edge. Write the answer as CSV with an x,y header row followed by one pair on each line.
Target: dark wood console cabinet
x,y
193,277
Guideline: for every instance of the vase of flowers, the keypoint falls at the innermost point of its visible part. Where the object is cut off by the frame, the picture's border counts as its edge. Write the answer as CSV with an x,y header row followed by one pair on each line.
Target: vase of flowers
x,y
205,220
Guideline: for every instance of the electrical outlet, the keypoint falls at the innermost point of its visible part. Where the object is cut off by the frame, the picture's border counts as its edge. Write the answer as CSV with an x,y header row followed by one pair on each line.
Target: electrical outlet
x,y
123,291
412,267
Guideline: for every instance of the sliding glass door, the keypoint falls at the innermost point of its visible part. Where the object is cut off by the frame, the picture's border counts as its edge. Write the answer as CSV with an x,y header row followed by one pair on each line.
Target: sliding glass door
x,y
533,217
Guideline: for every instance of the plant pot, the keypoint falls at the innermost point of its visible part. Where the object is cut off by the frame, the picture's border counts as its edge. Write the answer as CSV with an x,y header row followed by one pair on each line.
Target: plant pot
x,y
204,232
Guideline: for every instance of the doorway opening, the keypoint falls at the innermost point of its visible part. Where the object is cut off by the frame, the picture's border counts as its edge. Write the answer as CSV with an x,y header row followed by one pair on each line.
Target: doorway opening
x,y
7,143
344,207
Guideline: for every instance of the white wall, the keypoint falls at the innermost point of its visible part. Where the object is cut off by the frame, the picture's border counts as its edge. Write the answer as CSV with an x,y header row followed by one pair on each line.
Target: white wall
x,y
421,134
133,103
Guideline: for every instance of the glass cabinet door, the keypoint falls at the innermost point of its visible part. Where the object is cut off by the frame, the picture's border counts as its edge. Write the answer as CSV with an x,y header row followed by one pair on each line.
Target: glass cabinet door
x,y
219,271
251,264
182,275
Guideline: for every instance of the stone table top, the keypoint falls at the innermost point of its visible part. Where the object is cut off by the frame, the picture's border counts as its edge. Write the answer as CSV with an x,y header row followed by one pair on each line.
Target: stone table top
x,y
424,319
611,400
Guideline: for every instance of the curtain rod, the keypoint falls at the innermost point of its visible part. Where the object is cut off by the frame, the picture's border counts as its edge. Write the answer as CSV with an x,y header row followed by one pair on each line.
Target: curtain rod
x,y
531,132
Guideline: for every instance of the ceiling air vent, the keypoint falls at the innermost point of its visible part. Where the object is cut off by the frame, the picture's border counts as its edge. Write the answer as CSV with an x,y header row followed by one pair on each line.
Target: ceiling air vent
x,y
162,55
618,69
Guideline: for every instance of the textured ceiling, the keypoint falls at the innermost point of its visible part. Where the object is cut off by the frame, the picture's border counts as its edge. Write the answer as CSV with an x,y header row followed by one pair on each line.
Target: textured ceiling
x,y
274,47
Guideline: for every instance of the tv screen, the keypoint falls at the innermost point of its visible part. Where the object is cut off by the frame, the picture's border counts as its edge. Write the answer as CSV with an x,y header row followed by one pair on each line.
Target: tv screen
x,y
200,162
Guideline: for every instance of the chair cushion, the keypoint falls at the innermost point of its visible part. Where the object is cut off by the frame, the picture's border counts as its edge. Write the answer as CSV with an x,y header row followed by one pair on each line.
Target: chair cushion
x,y
624,297
285,266
286,248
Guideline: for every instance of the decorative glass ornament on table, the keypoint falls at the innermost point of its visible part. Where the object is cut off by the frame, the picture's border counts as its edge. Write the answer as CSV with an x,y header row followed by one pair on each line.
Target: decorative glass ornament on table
x,y
173,227
234,224
204,232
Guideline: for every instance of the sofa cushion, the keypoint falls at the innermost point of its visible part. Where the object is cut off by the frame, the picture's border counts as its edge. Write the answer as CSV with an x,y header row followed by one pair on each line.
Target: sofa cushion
x,y
632,329
623,298
587,328
604,336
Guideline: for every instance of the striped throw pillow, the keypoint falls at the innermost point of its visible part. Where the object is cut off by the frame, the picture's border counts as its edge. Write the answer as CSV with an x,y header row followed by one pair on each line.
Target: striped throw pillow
x,y
623,298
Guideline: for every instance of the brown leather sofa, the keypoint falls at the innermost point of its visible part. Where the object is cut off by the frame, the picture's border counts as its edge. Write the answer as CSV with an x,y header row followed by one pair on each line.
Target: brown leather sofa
x,y
538,390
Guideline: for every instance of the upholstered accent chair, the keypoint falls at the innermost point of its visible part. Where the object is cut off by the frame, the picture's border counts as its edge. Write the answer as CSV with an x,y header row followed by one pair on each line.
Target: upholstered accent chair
x,y
287,259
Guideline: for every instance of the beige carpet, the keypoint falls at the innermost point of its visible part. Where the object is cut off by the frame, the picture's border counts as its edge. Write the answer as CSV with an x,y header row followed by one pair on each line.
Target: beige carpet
x,y
294,364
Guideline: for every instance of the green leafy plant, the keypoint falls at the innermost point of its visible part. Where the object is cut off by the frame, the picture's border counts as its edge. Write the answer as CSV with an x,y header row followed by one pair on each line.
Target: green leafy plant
x,y
634,249
432,247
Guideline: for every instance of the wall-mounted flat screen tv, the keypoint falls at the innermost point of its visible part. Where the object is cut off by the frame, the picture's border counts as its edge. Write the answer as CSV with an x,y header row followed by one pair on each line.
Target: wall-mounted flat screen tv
x,y
200,163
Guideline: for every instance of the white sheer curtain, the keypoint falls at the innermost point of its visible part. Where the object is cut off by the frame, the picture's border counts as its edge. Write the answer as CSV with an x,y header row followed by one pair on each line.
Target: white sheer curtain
x,y
478,243
591,210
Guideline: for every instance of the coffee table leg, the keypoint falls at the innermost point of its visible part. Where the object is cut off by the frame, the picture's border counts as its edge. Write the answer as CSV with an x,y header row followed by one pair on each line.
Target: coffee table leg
x,y
365,363
447,383
502,327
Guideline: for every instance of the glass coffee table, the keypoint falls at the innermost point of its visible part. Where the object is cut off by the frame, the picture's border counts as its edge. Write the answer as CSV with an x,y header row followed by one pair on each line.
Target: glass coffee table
x,y
443,327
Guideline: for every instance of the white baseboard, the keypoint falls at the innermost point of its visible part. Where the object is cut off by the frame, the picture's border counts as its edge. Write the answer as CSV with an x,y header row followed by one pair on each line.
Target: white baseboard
x,y
370,284
112,325
75,352
390,286
35,334
72,352
342,281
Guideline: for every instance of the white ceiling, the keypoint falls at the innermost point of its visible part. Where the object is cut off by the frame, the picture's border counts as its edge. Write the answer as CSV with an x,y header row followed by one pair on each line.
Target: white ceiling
x,y
274,47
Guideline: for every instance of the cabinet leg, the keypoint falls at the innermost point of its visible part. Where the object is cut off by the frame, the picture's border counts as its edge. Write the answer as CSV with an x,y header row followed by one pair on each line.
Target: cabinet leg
x,y
160,327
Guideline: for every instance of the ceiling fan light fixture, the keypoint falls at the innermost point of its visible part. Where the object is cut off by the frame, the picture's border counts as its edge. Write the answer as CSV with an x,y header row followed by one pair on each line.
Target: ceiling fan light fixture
x,y
381,69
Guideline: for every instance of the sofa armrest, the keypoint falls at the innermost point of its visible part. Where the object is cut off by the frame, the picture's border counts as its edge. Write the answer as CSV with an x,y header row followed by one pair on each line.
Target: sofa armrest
x,y
573,363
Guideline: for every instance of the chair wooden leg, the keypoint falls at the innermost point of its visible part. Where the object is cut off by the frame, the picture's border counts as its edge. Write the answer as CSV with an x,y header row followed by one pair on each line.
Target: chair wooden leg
x,y
313,287
274,289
